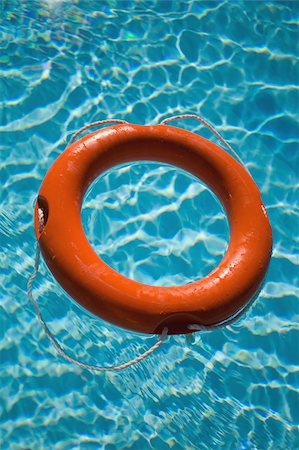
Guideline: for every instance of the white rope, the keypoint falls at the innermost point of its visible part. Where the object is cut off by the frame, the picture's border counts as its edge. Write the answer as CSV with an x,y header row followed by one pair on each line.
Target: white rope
x,y
206,124
96,124
162,337
53,340
224,323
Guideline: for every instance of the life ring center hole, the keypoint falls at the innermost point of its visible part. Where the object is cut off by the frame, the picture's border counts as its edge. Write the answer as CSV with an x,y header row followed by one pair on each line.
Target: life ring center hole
x,y
155,223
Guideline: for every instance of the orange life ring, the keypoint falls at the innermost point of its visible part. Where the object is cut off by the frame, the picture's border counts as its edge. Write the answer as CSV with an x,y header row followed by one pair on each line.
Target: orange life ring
x,y
122,301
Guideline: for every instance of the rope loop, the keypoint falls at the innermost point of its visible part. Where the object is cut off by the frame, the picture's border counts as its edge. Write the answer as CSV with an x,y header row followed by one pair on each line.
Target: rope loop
x,y
96,124
54,341
207,125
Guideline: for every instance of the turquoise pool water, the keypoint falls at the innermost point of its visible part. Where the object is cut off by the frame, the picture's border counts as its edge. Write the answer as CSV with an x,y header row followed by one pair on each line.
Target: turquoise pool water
x,y
65,64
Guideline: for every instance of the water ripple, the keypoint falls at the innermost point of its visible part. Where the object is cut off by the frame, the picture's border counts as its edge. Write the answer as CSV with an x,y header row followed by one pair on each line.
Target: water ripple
x,y
65,64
